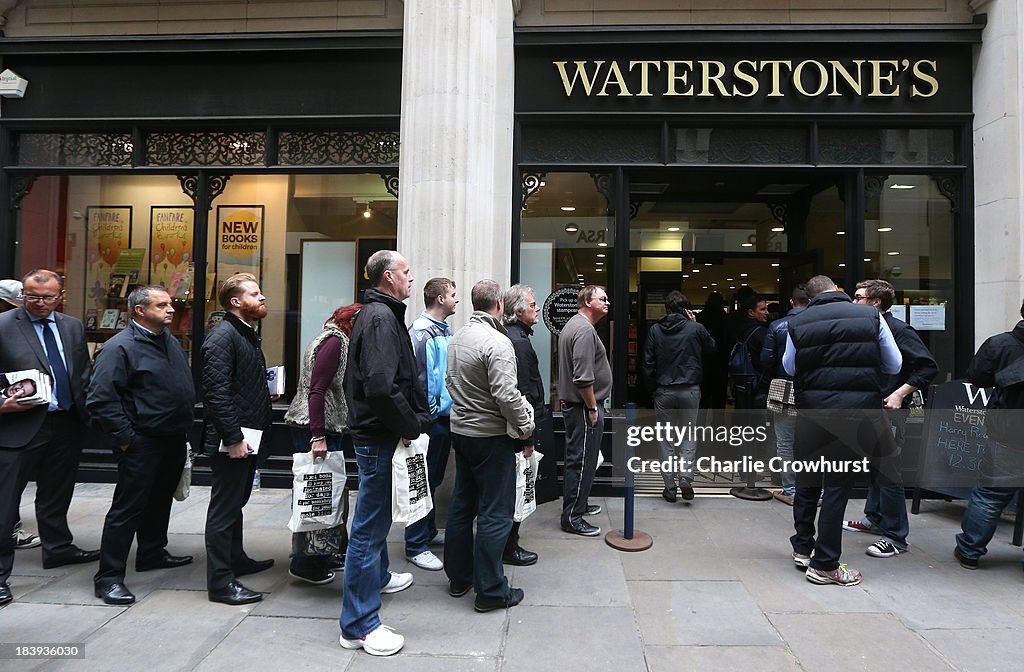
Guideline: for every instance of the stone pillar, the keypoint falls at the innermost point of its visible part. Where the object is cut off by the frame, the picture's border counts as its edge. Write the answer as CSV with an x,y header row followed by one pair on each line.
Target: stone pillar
x,y
998,173
455,170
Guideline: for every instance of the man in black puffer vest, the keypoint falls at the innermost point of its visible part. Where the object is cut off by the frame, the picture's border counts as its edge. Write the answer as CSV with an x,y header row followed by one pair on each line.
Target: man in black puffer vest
x,y
235,395
836,352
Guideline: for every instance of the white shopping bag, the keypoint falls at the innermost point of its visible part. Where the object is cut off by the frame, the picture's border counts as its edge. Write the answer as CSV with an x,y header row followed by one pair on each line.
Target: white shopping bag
x,y
410,490
526,485
181,492
317,491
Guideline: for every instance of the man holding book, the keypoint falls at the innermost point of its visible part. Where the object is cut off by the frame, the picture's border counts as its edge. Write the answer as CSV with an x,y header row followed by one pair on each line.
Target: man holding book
x,y
42,439
141,395
236,403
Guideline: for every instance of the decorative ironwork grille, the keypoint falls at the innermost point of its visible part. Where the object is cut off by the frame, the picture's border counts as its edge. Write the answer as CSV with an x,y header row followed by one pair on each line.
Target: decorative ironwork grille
x,y
731,145
206,148
76,150
887,146
587,144
338,148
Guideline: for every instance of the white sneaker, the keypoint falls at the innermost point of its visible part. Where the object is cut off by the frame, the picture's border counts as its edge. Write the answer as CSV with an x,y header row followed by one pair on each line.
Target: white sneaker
x,y
427,560
438,539
397,583
23,539
383,641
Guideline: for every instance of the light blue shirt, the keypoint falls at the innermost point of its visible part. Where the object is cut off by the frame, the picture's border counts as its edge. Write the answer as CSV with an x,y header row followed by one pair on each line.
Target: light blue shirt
x,y
892,360
39,325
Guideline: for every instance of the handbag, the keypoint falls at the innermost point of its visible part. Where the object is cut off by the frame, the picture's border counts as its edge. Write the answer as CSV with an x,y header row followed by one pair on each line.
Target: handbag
x,y
410,490
781,396
318,486
526,485
181,492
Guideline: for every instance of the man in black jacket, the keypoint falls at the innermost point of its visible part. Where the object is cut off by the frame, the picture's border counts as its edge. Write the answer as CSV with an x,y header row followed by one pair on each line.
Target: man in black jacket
x,y
386,404
885,509
837,353
520,316
142,395
235,396
997,364
673,363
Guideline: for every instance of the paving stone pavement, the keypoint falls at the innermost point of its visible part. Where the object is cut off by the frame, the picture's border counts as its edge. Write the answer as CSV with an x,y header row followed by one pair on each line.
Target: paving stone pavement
x,y
717,591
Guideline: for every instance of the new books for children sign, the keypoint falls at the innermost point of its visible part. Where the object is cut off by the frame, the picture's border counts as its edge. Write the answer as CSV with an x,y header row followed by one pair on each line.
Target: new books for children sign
x,y
239,240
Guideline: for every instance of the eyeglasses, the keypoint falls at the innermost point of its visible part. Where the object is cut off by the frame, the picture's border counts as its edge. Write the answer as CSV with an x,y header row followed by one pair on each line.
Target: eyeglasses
x,y
38,297
861,297
604,299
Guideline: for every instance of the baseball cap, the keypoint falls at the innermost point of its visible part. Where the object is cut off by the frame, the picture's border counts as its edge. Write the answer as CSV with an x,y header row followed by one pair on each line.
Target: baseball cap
x,y
10,291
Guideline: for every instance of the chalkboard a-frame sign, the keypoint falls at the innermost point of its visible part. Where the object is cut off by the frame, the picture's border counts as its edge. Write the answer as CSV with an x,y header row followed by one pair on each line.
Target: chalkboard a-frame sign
x,y
954,439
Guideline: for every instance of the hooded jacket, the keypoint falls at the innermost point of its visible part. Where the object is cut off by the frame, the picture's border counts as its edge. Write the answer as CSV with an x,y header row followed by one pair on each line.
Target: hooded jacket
x,y
674,351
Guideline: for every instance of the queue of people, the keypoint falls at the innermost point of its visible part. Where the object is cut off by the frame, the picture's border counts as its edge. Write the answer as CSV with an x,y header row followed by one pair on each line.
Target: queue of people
x,y
477,392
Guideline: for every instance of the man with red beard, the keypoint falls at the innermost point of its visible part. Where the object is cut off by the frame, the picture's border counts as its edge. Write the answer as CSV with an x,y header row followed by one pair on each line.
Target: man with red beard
x,y
235,395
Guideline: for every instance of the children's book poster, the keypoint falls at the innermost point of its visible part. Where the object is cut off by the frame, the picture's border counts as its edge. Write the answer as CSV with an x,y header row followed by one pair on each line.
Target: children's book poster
x,y
108,230
170,242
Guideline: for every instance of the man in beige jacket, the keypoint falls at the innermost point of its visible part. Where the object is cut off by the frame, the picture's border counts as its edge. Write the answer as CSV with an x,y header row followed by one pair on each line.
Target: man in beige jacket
x,y
490,421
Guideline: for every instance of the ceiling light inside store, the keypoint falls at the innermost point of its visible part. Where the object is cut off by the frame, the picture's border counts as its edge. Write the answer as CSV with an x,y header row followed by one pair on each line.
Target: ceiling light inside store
x,y
568,208
775,265
714,284
892,254
840,233
686,275
703,286
601,255
884,229
602,244
729,279
897,185
743,275
571,227
867,258
696,270
842,265
367,213
778,229
732,286
746,244
673,229
707,264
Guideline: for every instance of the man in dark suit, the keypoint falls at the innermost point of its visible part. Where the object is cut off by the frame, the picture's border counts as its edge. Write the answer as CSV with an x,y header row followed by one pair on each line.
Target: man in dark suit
x,y
42,440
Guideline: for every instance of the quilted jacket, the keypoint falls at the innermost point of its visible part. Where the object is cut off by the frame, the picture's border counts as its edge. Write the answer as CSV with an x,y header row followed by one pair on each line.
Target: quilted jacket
x,y
235,393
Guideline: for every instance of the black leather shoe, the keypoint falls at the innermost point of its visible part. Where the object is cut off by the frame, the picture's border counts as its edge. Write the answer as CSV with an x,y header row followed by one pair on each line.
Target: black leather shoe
x,y
74,557
582,528
520,558
686,491
166,561
234,594
5,594
115,593
458,589
669,495
254,567
514,597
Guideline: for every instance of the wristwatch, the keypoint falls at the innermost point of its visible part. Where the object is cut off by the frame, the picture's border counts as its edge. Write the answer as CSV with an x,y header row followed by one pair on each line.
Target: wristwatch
x,y
592,410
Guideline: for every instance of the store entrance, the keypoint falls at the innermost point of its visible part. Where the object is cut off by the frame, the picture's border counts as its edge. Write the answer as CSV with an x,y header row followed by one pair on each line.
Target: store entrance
x,y
716,235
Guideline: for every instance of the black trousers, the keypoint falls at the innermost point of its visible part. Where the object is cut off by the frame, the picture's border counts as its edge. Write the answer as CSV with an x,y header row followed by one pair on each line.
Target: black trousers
x,y
232,485
147,475
582,444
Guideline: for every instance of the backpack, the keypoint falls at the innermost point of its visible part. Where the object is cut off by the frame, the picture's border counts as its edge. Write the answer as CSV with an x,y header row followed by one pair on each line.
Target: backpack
x,y
1004,420
741,366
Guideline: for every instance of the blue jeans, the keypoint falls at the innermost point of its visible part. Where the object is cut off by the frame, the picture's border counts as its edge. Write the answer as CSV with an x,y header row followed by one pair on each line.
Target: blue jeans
x,y
785,432
312,551
485,489
981,518
885,508
419,534
366,563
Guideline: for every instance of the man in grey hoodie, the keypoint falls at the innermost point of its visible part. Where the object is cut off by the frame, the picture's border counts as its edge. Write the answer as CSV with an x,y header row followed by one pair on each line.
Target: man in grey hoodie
x,y
490,421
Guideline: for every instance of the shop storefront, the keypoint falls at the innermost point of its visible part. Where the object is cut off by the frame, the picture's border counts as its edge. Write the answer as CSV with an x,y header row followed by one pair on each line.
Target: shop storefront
x,y
182,161
710,159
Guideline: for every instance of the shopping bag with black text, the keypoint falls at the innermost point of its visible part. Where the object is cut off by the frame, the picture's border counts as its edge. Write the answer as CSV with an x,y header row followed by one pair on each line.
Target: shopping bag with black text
x,y
410,492
526,485
317,491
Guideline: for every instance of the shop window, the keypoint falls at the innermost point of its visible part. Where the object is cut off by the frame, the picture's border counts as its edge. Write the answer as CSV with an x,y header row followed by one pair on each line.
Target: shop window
x,y
826,233
908,240
305,237
566,240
